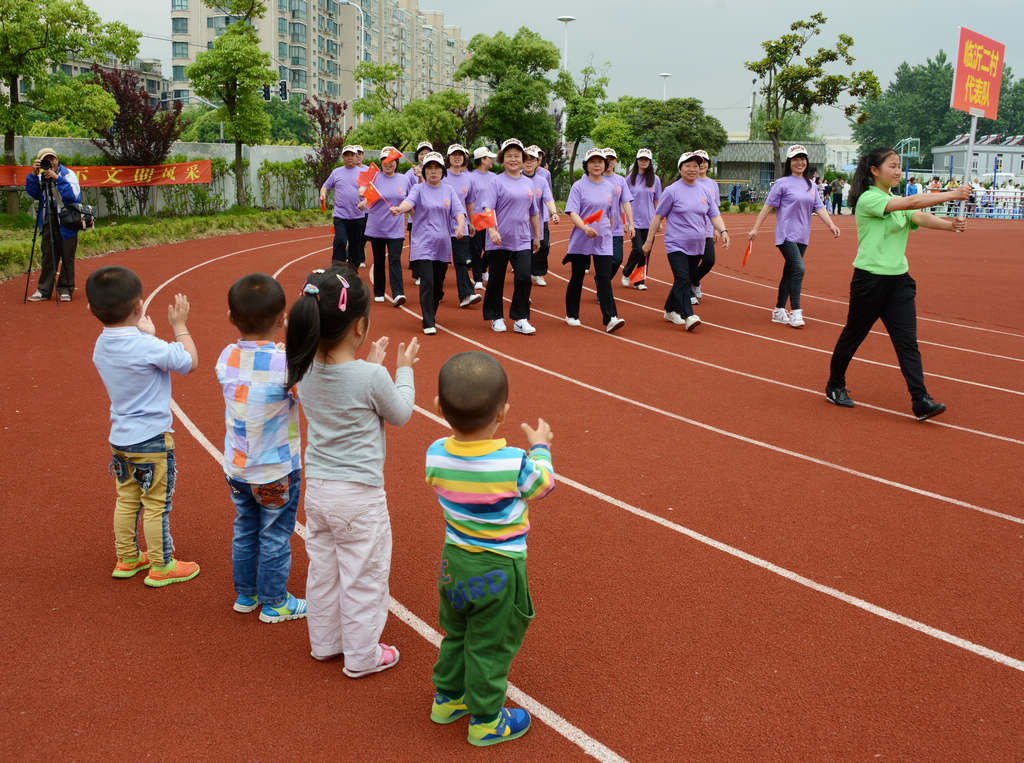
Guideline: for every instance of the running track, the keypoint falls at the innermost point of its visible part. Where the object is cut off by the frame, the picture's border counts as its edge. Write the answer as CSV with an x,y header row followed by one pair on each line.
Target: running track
x,y
729,569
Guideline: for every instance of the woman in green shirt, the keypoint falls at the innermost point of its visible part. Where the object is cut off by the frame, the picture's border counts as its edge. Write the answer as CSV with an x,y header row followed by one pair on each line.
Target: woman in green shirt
x,y
881,286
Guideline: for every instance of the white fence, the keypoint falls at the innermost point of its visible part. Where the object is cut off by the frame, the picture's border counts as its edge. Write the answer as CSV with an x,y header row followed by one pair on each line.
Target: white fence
x,y
990,203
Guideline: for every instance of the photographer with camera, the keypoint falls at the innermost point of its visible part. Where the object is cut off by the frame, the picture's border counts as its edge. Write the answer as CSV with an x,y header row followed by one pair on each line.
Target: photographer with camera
x,y
50,179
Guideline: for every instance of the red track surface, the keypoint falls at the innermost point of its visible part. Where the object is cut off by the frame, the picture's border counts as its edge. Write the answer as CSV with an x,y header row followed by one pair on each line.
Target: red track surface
x,y
653,643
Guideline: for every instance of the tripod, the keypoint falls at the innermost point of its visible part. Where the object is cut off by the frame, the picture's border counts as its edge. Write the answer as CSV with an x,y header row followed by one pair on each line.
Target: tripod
x,y
47,212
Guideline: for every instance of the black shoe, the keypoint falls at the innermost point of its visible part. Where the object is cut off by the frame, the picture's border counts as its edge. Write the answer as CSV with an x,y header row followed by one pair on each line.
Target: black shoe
x,y
925,408
839,396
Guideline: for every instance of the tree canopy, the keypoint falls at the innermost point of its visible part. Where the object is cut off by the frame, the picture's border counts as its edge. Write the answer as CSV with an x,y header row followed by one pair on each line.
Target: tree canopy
x,y
789,84
582,98
797,127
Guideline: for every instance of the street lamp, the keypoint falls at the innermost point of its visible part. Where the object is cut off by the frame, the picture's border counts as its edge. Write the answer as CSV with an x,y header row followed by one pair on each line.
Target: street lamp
x,y
664,84
565,65
362,42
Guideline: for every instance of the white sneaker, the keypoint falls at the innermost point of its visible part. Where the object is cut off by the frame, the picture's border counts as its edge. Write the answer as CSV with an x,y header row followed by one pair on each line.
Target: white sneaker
x,y
674,317
430,330
378,299
695,291
472,299
486,276
694,301
692,322
499,325
641,287
522,326
615,324
539,280
779,315
37,296
796,319
625,280
416,281
398,301
362,265
478,286
572,321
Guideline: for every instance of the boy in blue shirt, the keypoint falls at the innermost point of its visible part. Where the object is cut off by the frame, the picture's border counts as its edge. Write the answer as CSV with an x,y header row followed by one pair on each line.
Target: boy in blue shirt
x,y
483,486
135,368
261,450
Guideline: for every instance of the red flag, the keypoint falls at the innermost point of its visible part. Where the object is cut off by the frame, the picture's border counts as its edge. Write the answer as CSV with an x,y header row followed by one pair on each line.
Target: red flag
x,y
639,274
368,175
372,195
594,217
746,254
394,156
323,205
482,220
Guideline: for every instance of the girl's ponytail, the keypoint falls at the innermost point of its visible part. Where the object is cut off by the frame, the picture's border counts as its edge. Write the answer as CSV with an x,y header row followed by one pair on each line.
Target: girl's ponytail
x,y
302,338
862,177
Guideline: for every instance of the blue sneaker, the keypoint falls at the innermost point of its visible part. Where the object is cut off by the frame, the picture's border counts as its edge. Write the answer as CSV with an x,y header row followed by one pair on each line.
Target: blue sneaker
x,y
292,609
509,725
447,710
245,603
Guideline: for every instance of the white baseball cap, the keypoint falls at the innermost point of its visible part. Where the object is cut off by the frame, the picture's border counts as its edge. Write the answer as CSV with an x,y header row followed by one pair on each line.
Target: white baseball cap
x,y
349,149
644,153
424,144
598,152
510,143
358,148
686,156
483,151
703,155
457,147
435,157
387,150
796,150
610,153
533,151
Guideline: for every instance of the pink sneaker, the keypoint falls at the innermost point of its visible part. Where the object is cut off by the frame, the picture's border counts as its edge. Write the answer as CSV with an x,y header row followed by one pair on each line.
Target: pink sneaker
x,y
388,659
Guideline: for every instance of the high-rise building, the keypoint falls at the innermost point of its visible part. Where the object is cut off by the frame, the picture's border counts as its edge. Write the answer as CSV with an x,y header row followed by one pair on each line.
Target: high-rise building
x,y
316,44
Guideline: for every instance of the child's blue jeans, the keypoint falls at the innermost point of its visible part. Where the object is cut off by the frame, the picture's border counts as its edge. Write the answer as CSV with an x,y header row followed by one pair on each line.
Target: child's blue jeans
x,y
261,552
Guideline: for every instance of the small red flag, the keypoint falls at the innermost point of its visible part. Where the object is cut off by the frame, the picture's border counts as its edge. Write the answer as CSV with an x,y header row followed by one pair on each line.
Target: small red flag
x,y
639,274
368,175
394,156
594,217
372,195
482,220
746,254
323,205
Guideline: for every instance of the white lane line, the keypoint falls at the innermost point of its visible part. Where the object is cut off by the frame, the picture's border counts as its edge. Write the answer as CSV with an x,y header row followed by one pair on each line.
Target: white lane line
x,y
764,338
775,569
572,733
846,302
815,393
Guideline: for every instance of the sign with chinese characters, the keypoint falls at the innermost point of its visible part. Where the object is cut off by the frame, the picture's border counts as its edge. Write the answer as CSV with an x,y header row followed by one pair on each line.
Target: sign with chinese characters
x,y
979,74
199,171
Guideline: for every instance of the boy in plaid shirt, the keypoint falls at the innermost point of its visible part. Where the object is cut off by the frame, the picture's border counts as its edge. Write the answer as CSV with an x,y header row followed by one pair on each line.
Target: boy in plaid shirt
x,y
261,450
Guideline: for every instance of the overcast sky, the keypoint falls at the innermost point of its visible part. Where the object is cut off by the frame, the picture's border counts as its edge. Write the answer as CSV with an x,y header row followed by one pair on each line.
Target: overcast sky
x,y
701,43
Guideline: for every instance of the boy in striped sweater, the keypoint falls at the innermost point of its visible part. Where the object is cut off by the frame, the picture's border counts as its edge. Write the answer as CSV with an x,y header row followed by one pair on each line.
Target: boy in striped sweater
x,y
483,486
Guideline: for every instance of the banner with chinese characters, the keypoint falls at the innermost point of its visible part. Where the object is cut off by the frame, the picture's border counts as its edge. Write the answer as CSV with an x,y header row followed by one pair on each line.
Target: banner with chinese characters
x,y
199,171
979,75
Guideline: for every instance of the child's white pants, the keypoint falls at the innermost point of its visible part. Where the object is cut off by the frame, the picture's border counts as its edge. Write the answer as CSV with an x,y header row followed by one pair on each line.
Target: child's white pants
x,y
348,540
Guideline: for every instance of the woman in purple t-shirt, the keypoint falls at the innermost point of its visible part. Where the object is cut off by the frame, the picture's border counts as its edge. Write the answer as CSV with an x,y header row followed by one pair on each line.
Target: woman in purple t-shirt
x,y
685,207
438,211
593,195
796,198
514,240
347,217
460,178
646,189
384,230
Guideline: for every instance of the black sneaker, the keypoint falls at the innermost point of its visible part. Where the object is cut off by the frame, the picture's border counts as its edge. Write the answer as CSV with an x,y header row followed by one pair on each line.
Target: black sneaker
x,y
838,396
925,408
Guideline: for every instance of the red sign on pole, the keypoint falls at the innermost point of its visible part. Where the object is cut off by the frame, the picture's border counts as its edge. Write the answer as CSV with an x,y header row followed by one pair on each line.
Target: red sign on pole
x,y
979,75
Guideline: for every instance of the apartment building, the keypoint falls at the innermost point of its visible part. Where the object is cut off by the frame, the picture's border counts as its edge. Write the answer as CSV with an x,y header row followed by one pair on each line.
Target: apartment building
x,y
315,45
149,71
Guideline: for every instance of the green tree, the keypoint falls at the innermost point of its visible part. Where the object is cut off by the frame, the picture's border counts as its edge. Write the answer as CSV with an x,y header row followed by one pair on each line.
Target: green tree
x,y
581,98
612,131
916,105
515,69
382,91
37,35
288,122
437,118
797,127
204,125
234,72
789,84
669,128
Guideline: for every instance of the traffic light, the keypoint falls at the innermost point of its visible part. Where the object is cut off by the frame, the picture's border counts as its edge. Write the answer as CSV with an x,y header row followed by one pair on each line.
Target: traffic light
x,y
266,92
282,89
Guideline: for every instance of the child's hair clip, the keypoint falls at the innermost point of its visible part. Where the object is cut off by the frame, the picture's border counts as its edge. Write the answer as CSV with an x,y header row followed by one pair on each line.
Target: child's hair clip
x,y
319,270
312,290
343,298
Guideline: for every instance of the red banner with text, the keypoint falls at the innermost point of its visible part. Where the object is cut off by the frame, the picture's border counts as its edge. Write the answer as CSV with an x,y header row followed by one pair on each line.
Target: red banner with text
x,y
979,75
113,177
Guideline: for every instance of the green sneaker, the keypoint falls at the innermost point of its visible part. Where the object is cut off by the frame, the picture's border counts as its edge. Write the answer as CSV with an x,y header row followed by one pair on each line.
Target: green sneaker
x,y
291,609
175,572
510,724
446,710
